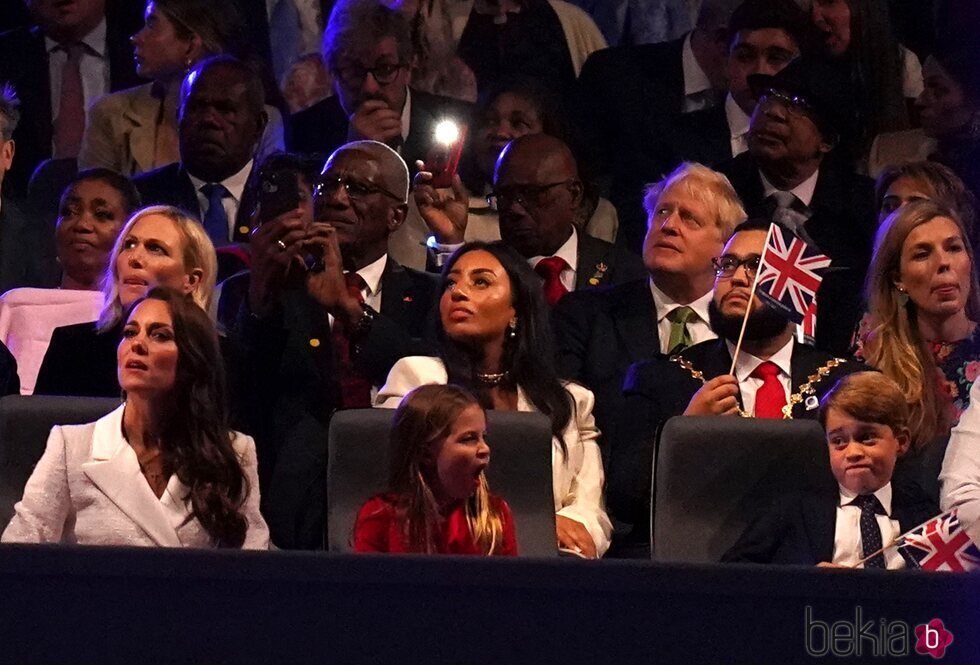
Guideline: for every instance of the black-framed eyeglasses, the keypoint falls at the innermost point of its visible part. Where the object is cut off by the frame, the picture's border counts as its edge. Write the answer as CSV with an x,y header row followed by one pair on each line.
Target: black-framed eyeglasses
x,y
356,189
795,104
526,195
725,266
383,73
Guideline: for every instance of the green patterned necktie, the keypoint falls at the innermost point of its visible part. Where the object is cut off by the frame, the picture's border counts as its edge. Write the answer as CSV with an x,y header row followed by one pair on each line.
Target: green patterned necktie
x,y
680,336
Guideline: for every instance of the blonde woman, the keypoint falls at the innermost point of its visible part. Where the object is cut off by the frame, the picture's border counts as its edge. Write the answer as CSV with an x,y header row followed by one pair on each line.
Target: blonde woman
x,y
158,246
921,329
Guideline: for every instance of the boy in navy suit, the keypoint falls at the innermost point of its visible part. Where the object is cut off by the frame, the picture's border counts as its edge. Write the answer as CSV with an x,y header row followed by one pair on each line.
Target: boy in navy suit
x,y
865,417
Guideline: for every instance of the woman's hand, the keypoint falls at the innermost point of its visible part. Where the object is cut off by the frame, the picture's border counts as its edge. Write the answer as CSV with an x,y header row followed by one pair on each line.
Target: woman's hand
x,y
574,536
717,397
444,211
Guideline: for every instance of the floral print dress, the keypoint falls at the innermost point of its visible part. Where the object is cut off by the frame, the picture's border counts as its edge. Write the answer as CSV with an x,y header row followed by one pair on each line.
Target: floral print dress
x,y
960,365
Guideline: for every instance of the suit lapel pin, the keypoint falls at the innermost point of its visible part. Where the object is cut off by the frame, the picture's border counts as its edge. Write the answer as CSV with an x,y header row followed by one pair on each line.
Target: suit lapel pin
x,y
811,403
600,273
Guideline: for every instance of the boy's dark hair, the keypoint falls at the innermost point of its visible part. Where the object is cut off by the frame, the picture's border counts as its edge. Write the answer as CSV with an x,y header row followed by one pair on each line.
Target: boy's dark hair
x,y
785,15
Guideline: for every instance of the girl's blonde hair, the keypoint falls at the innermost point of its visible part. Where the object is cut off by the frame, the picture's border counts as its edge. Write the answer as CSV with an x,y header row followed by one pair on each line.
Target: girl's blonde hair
x,y
198,254
422,421
893,342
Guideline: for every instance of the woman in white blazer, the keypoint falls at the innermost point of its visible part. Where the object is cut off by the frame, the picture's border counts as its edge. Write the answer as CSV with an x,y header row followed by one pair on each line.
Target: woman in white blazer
x,y
163,469
495,340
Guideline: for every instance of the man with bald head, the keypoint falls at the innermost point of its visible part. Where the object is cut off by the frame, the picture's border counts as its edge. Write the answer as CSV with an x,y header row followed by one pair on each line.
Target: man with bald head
x,y
538,192
326,315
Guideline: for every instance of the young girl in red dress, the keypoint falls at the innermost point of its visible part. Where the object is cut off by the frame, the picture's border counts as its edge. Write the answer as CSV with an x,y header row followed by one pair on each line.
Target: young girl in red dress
x,y
438,501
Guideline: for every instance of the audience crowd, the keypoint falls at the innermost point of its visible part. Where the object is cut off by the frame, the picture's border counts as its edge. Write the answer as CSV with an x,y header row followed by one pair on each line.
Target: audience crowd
x,y
238,217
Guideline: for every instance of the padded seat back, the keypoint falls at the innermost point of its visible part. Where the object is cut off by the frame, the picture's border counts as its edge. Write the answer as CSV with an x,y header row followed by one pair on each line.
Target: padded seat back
x,y
713,475
520,473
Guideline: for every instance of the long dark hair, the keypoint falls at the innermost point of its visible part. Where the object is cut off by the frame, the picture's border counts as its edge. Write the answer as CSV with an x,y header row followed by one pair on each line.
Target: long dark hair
x,y
197,442
529,356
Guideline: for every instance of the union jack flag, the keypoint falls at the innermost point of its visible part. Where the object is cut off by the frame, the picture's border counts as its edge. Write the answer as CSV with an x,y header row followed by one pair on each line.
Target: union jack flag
x,y
790,273
941,544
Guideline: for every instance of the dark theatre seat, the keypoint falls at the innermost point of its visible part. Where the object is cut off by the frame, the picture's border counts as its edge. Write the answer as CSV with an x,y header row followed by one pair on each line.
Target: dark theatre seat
x,y
520,473
25,422
713,475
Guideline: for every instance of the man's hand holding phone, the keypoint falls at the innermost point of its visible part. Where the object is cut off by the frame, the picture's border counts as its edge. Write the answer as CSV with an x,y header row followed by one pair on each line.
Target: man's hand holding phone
x,y
328,286
375,121
277,248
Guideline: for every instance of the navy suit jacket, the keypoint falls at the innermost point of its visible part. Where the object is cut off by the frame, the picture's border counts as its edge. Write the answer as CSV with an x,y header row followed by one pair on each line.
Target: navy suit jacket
x,y
800,529
24,64
602,263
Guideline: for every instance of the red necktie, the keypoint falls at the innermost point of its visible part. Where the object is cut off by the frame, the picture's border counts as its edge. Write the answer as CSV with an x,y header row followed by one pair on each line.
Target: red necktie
x,y
770,398
70,123
355,389
550,270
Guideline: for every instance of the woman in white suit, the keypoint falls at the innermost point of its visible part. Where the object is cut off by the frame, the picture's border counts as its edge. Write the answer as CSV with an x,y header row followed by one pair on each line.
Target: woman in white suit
x,y
163,469
496,340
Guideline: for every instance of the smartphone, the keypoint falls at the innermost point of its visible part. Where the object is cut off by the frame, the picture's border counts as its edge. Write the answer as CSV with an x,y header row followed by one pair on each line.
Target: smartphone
x,y
278,193
443,157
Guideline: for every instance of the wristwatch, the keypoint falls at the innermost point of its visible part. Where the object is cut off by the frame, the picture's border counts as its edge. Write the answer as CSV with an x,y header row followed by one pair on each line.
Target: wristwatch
x,y
363,325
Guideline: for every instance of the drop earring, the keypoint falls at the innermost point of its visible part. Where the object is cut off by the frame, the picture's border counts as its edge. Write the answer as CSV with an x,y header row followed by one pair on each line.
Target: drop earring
x,y
512,329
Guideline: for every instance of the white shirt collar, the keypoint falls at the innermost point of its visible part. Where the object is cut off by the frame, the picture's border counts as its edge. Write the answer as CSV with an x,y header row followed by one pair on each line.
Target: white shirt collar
x,y
664,304
803,191
884,495
568,251
95,40
738,121
695,80
235,184
783,359
371,274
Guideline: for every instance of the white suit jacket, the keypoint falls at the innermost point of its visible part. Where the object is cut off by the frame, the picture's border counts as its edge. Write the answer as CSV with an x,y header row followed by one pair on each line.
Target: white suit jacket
x,y
577,479
88,489
960,476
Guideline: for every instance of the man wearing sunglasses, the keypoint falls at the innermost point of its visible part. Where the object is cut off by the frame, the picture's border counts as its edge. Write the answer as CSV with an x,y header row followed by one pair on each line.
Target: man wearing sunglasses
x,y
368,50
773,371
797,171
327,313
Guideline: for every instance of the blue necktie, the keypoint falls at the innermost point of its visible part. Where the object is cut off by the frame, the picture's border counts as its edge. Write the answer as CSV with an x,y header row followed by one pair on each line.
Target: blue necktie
x,y
216,219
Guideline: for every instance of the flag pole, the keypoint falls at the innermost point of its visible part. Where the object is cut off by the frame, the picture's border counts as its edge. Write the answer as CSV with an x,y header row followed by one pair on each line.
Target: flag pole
x,y
748,306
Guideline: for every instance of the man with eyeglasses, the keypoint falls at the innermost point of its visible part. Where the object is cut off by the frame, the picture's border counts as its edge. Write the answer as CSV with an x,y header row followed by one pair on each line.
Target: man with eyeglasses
x,y
368,50
775,376
764,37
327,313
797,171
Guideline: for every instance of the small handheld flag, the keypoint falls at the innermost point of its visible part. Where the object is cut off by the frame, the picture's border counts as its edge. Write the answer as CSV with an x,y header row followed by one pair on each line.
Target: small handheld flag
x,y
941,544
790,272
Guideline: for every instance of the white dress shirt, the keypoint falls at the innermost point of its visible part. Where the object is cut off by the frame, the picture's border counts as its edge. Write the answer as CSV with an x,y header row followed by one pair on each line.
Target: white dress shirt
x,y
738,126
848,548
749,385
569,252
697,86
94,68
371,274
803,191
235,185
697,328
960,476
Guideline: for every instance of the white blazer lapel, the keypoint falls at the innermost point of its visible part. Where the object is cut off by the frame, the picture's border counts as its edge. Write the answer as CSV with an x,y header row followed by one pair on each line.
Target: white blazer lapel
x,y
115,470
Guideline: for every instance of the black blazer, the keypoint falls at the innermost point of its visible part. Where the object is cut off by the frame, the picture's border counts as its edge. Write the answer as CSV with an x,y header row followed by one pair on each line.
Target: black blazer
x,y
702,136
9,379
171,185
600,333
22,248
288,389
800,529
322,128
658,389
601,263
842,224
24,63
80,361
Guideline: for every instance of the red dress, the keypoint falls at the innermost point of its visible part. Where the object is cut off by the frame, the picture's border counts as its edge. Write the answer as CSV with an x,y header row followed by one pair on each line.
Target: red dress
x,y
378,529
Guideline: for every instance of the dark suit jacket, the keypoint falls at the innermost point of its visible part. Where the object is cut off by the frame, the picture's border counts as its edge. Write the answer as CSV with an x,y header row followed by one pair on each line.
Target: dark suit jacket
x,y
322,128
24,63
171,185
80,361
9,380
702,136
601,263
800,530
600,334
289,389
658,389
627,97
22,248
842,224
